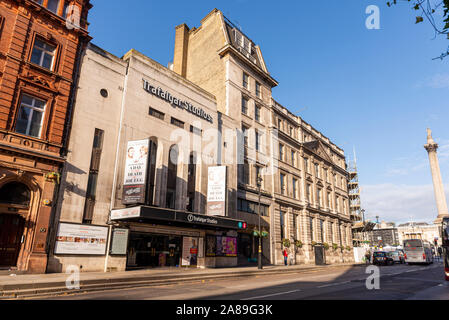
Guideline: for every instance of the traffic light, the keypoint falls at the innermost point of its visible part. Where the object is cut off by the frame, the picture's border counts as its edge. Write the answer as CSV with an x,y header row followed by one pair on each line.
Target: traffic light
x,y
242,225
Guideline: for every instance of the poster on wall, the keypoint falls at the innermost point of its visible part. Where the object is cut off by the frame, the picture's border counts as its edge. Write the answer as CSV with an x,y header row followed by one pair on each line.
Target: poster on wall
x,y
230,247
119,241
189,251
81,239
216,191
134,185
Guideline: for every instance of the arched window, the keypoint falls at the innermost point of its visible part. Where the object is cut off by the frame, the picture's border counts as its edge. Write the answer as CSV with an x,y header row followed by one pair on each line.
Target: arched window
x,y
191,184
151,182
171,177
15,193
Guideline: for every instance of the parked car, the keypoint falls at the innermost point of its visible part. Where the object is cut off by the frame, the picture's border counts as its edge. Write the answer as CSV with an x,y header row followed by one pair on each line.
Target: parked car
x,y
398,256
382,258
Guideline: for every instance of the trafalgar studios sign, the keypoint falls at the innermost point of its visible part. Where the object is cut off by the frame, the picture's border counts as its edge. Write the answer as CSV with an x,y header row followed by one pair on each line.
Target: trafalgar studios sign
x,y
134,185
216,191
165,95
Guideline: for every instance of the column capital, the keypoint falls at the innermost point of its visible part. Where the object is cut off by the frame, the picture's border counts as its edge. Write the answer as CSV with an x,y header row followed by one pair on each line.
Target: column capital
x,y
433,147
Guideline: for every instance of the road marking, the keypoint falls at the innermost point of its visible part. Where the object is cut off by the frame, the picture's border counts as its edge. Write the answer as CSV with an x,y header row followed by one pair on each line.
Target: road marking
x,y
333,284
271,295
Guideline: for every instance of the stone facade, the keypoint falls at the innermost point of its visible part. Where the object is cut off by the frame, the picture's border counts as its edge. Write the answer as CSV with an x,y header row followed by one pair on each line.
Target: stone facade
x,y
38,66
111,98
423,231
243,88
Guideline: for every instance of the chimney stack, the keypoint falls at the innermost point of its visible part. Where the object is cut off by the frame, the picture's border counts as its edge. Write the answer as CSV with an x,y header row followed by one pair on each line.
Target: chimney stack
x,y
181,45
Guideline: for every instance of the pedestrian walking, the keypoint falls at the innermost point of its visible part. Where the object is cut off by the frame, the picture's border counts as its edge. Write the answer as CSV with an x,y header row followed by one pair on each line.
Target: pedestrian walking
x,y
440,253
285,253
367,257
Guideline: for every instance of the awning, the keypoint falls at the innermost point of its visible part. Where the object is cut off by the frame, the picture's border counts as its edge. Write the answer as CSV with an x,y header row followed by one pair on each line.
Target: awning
x,y
154,214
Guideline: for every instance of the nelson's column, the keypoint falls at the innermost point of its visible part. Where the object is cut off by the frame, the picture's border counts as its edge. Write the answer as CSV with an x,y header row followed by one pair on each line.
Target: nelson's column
x,y
440,197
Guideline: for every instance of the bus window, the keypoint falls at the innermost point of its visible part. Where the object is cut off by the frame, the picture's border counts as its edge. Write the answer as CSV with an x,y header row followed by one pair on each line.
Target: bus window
x,y
408,244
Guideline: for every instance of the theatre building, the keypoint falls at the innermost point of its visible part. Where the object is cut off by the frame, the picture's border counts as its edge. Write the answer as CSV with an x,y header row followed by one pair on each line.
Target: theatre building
x,y
38,65
144,151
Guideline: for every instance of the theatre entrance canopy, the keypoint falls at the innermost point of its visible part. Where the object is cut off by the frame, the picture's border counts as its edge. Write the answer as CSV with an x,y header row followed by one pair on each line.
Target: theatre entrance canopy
x,y
147,214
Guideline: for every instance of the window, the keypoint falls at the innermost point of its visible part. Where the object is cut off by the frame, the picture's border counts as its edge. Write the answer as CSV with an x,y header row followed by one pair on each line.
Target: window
x,y
312,236
151,178
259,174
172,174
64,10
308,192
329,200
177,123
306,164
322,230
245,135
317,170
43,54
291,131
157,114
257,113
51,5
325,175
337,202
295,188
318,196
257,141
252,207
258,92
196,130
245,81
279,124
30,116
281,152
191,184
283,186
245,173
244,105
92,181
293,158
282,216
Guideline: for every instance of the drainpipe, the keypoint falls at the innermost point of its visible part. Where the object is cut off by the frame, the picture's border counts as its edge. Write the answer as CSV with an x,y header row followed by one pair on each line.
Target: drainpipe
x,y
114,181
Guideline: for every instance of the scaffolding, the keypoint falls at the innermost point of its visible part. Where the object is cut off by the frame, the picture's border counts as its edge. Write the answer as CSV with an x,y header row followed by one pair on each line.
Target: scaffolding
x,y
359,226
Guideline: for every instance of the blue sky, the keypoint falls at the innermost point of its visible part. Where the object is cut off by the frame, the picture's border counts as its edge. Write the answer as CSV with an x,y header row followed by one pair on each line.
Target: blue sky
x,y
375,90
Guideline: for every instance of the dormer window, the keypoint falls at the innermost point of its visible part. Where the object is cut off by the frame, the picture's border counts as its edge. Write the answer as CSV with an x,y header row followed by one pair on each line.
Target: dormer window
x,y
54,6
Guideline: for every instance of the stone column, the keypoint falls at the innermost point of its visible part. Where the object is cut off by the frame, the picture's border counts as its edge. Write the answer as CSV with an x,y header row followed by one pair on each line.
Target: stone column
x,y
440,197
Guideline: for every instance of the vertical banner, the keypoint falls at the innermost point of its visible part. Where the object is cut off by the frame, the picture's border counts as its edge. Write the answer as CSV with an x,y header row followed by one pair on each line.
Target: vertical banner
x,y
134,185
216,191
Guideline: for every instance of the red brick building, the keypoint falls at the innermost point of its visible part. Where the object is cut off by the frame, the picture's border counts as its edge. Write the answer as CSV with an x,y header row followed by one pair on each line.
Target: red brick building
x,y
40,44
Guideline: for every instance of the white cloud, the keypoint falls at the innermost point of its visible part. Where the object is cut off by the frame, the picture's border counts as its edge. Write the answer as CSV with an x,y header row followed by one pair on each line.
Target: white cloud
x,y
398,203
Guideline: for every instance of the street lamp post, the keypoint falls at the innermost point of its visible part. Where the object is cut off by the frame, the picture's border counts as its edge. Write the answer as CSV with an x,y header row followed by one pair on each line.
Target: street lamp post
x,y
259,257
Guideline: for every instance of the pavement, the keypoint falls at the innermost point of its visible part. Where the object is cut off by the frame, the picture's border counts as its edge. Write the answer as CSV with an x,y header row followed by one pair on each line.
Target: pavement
x,y
32,285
